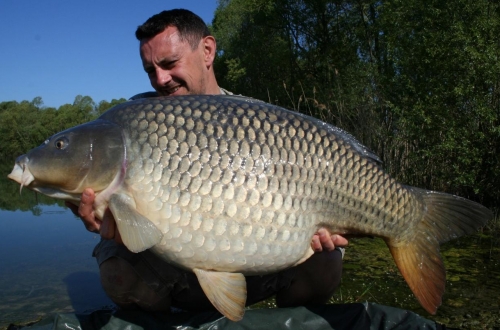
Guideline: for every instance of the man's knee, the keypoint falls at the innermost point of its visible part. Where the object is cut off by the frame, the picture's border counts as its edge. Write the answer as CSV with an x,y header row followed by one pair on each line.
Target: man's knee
x,y
315,280
127,289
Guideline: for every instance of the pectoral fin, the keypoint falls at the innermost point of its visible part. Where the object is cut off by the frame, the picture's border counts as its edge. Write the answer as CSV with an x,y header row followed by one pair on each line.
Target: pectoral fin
x,y
226,291
138,232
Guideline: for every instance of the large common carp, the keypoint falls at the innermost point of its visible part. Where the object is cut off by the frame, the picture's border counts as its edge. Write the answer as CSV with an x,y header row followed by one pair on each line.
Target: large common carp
x,y
225,186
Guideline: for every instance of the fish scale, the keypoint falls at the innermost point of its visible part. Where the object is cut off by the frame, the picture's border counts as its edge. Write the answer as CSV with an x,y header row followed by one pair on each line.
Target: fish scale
x,y
234,212
291,148
226,185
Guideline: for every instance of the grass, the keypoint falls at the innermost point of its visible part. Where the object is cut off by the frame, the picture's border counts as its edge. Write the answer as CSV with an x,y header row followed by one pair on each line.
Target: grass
x,y
472,296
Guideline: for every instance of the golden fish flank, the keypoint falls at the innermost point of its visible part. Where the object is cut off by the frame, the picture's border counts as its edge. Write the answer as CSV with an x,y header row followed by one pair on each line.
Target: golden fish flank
x,y
226,185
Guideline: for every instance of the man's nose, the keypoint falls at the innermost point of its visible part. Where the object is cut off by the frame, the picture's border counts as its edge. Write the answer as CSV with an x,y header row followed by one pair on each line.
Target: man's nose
x,y
163,77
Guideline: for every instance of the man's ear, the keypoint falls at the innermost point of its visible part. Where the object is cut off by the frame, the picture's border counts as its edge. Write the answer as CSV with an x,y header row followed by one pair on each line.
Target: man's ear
x,y
209,49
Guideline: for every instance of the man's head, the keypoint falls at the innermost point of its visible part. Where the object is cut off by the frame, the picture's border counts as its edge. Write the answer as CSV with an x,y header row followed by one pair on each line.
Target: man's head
x,y
177,52
190,26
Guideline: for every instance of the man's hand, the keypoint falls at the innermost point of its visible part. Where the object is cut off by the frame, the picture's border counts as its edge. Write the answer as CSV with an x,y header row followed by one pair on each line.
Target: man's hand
x,y
322,240
105,227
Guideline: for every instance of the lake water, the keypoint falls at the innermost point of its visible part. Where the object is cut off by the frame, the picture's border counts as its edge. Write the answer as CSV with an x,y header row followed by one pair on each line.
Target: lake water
x,y
46,265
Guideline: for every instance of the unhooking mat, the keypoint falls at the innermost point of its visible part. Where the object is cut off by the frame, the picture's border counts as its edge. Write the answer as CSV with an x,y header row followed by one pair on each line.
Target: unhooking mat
x,y
339,317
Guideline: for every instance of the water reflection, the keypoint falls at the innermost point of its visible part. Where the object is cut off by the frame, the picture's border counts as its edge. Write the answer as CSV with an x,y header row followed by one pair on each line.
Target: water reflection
x,y
46,265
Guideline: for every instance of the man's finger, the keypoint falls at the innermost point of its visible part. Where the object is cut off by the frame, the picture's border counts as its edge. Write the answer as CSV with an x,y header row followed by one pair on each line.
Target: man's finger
x,y
108,227
118,237
109,230
316,244
86,210
339,240
326,240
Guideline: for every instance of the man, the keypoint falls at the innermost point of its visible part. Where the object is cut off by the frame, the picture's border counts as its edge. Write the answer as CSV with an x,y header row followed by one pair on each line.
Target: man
x,y
177,53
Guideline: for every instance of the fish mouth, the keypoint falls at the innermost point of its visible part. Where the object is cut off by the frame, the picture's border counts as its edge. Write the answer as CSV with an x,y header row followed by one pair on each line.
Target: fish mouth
x,y
22,175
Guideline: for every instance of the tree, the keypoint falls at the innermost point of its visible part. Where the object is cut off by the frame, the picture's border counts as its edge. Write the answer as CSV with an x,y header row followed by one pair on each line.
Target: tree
x,y
105,105
24,125
417,81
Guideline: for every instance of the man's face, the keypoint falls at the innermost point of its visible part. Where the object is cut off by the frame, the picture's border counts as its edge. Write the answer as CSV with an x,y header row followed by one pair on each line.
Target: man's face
x,y
172,66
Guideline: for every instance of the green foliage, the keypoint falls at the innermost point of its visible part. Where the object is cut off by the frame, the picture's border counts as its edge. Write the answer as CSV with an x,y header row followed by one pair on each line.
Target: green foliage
x,y
24,125
417,81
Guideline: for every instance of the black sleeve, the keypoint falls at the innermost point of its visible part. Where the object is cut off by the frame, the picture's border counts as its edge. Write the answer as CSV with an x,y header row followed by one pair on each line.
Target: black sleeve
x,y
143,95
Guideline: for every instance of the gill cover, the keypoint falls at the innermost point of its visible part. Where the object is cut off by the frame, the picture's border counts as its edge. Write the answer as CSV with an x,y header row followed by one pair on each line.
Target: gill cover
x,y
88,155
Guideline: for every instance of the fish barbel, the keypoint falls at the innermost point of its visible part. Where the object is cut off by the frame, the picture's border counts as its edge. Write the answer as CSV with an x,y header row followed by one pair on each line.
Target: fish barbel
x,y
227,186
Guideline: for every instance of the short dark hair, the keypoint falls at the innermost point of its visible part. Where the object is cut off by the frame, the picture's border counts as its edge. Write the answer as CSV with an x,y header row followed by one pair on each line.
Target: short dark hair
x,y
191,27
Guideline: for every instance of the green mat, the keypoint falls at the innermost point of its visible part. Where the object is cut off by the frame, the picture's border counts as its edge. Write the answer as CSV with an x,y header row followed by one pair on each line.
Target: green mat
x,y
342,316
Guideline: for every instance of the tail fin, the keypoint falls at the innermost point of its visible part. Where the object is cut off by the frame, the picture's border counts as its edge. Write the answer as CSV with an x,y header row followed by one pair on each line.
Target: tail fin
x,y
446,217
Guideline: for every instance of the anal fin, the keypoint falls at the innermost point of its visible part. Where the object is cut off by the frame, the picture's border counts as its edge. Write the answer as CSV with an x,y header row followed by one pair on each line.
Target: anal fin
x,y
226,291
137,232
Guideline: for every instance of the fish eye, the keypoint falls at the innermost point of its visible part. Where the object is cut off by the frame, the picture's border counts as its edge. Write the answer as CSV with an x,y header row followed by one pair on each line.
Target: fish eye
x,y
61,143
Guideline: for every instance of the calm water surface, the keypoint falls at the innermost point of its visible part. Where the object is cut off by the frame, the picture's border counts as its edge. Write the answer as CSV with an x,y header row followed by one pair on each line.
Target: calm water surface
x,y
46,265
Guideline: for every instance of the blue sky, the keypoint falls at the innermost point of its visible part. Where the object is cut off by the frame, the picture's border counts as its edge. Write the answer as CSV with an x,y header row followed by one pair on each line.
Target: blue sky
x,y
58,49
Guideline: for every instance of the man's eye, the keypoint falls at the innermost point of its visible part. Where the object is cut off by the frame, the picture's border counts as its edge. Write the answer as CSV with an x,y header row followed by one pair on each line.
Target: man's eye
x,y
168,65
